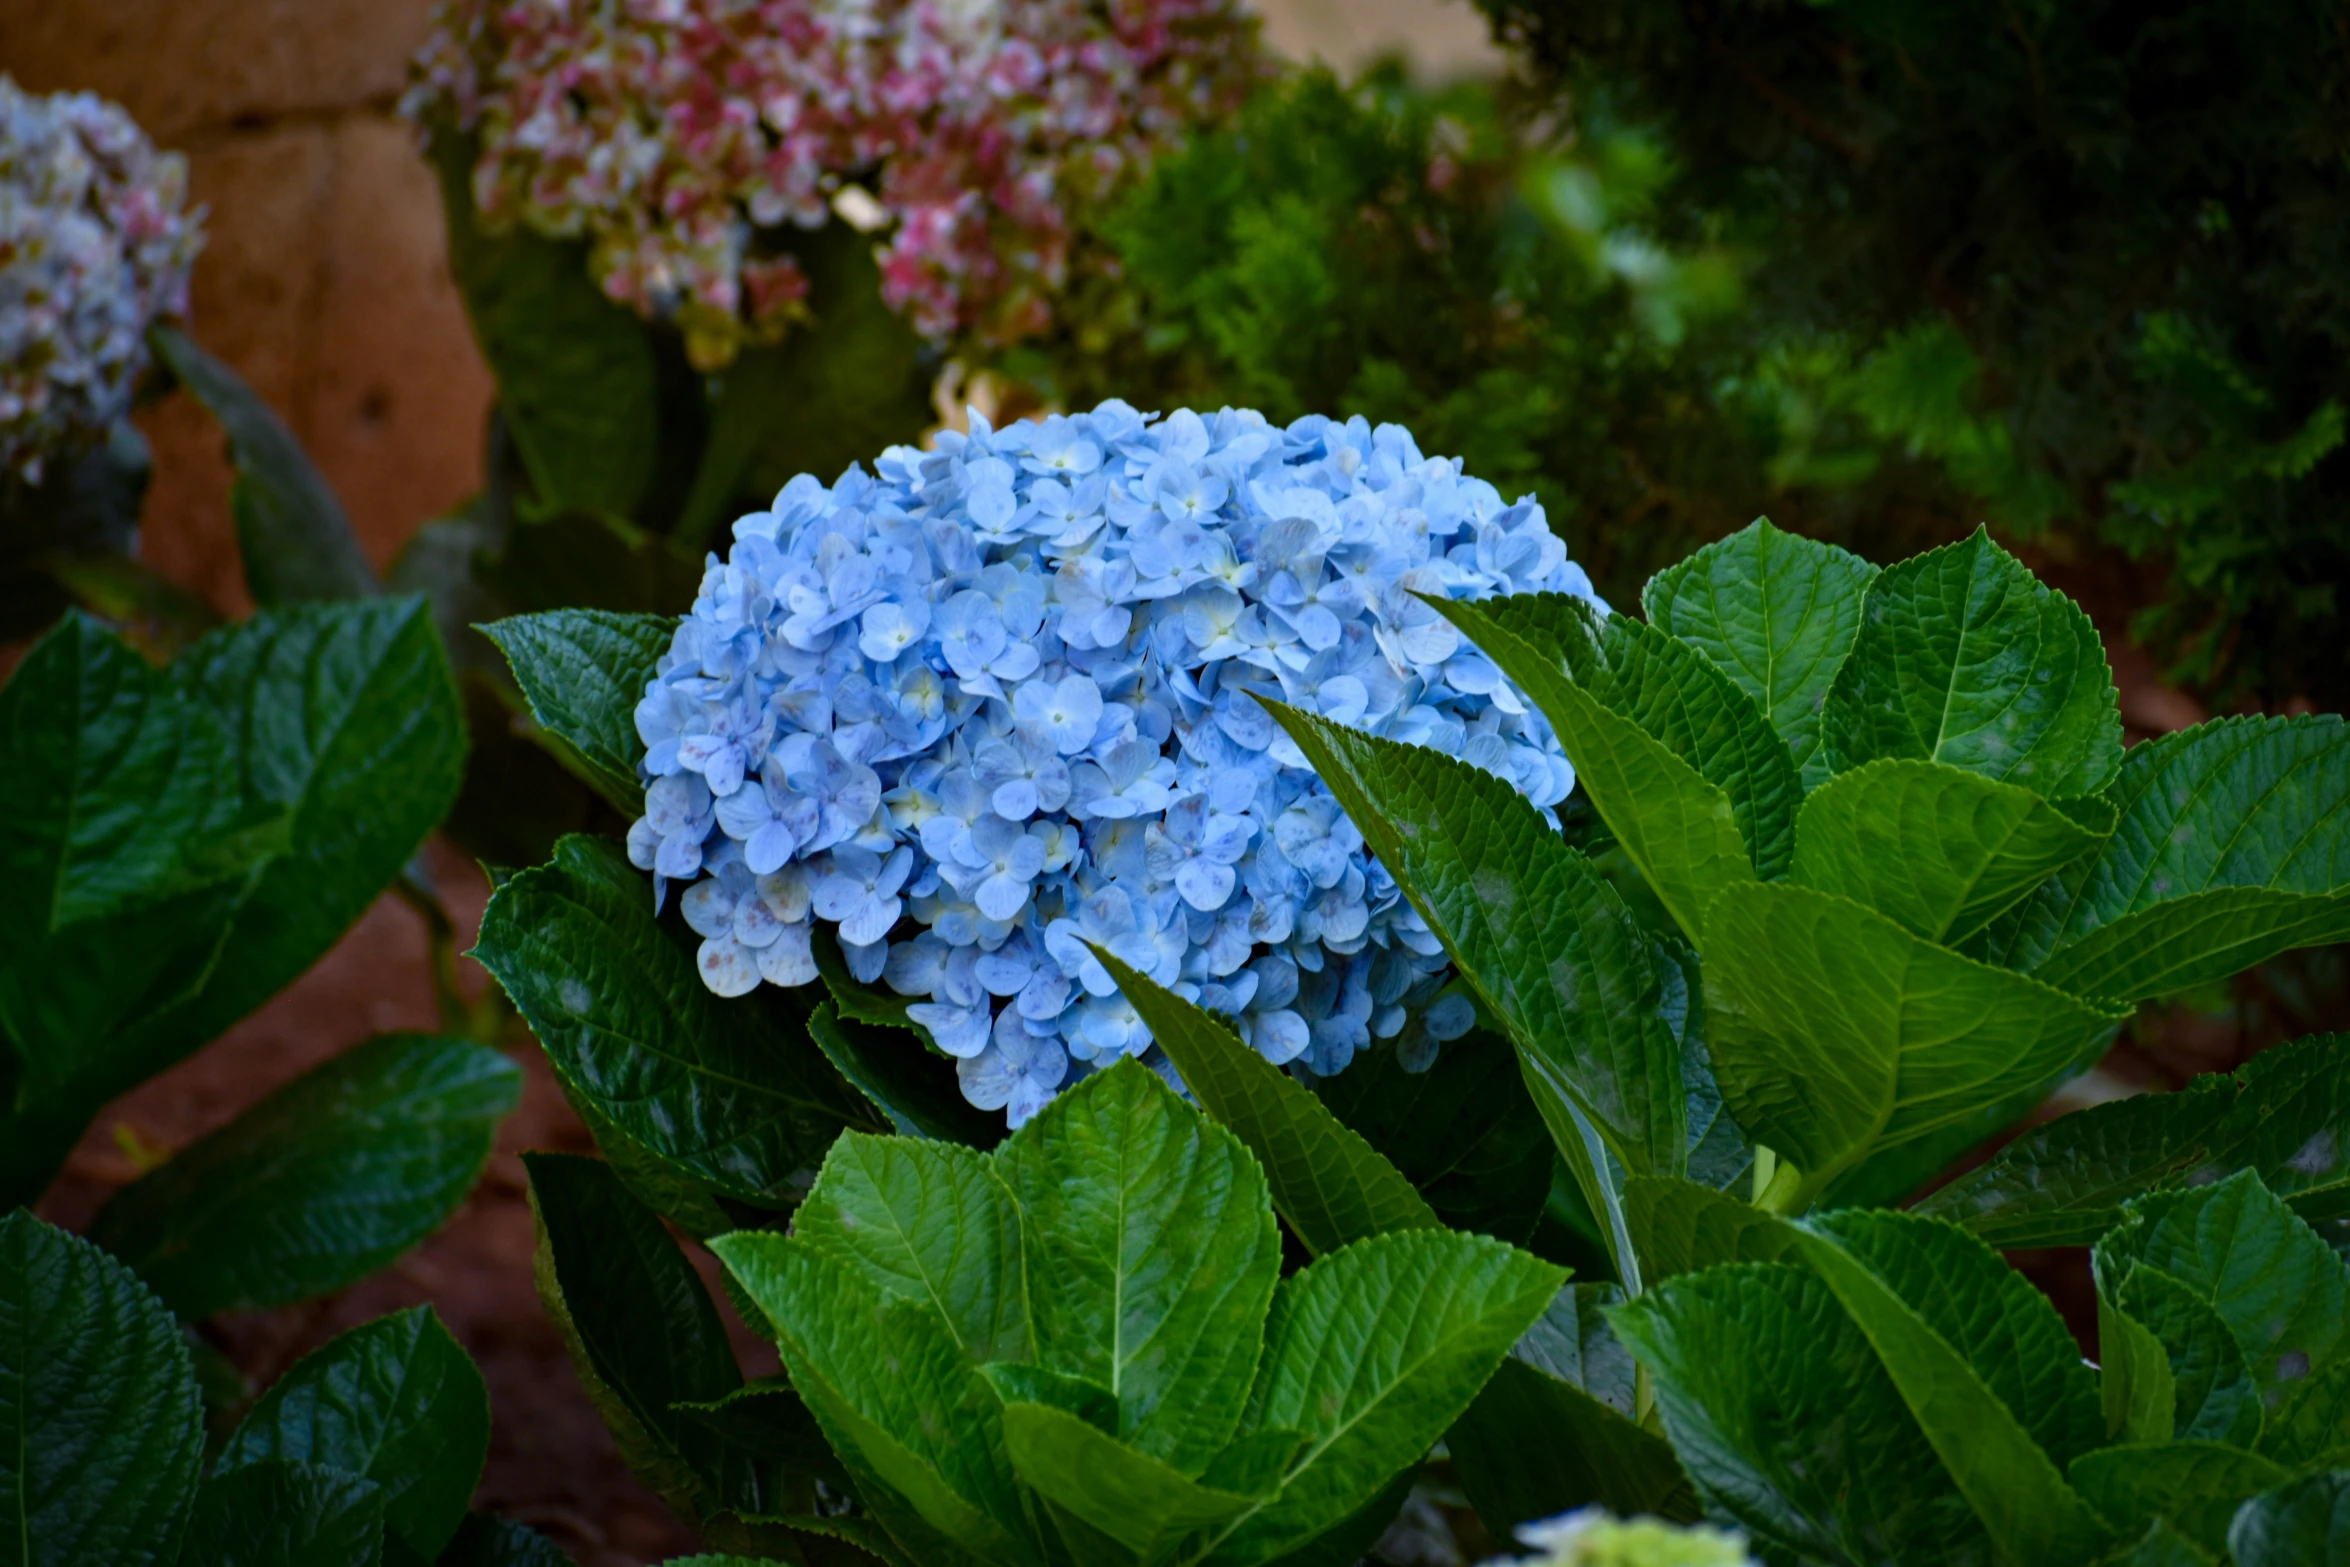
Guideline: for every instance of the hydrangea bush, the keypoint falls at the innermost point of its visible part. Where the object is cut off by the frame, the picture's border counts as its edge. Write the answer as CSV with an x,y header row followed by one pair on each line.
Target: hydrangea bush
x,y
669,133
997,702
96,240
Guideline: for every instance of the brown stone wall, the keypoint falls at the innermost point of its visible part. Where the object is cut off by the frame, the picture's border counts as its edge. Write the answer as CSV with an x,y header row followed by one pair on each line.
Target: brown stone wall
x,y
323,283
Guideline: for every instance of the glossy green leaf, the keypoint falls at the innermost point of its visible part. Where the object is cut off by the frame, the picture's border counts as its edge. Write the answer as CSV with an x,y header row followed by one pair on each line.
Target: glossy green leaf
x,y
931,1222
98,1396
285,1514
919,1428
1939,850
1787,1423
1546,943
583,671
486,1541
576,379
1774,611
1678,828
2196,1487
1151,1254
2172,1367
2305,1521
1464,1131
1330,1185
727,1093
1372,1352
647,1342
296,541
320,1184
2280,1289
1719,1152
1984,1363
1965,657
1553,1430
1836,1032
1145,1506
2233,846
1680,1227
396,1401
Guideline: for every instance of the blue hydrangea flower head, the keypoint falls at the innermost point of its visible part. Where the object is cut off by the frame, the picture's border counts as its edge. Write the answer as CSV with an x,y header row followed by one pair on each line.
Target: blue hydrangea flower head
x,y
996,703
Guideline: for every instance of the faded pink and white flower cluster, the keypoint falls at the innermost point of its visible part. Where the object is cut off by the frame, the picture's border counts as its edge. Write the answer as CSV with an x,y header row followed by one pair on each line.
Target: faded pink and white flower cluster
x,y
95,245
967,134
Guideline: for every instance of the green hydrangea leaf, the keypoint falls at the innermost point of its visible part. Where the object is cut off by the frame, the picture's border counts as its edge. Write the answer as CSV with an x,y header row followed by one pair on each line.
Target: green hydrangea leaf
x,y
2312,1424
2172,1368
2280,1289
2233,845
1677,827
1937,849
2285,1114
2305,1521
395,1401
726,1093
1777,613
2195,1487
915,1089
1372,1352
920,1430
1681,1226
286,1514
1152,1256
1965,657
99,1396
1331,1186
583,671
320,1184
1148,1508
931,1222
1787,1422
1836,1032
648,1344
576,377
291,530
486,1541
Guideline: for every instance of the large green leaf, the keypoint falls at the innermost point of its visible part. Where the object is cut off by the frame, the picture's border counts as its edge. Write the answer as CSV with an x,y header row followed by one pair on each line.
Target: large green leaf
x,y
1553,1430
1330,1185
1680,1226
919,1428
728,1093
926,1221
647,1342
1372,1352
2233,846
1542,937
2306,1521
98,1397
2284,1114
1680,829
1786,1421
1987,1368
576,377
1836,1032
2195,1486
1777,613
126,841
1151,1255
321,1183
285,1514
2171,1366
1939,850
296,542
2280,1289
394,1400
1145,1506
1965,657
583,672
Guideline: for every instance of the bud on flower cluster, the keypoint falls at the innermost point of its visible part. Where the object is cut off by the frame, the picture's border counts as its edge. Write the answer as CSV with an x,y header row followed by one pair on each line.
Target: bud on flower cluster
x,y
678,136
95,246
996,705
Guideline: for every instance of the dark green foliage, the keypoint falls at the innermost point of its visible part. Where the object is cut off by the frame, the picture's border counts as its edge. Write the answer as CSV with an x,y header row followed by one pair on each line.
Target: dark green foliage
x,y
2086,259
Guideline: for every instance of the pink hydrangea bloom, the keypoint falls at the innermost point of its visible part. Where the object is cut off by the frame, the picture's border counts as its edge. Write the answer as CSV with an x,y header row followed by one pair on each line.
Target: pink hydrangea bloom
x,y
669,133
95,246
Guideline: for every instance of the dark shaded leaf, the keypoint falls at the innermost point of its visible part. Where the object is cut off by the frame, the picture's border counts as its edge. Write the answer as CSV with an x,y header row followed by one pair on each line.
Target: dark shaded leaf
x,y
2195,1487
583,672
285,1514
2306,1521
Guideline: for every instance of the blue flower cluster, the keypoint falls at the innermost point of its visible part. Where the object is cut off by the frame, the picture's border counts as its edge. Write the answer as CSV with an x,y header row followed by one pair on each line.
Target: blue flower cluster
x,y
998,703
